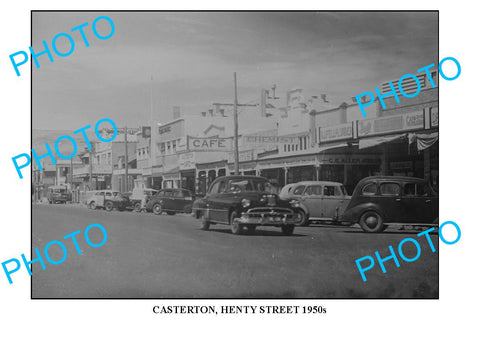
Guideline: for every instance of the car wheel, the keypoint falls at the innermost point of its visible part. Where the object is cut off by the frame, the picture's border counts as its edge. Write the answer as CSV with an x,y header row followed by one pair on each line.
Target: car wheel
x,y
157,209
288,230
205,224
92,205
187,209
138,207
237,228
371,222
251,229
304,222
170,213
108,206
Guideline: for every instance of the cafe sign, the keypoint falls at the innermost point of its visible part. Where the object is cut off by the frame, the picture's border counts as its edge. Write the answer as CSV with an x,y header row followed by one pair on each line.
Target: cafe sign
x,y
397,123
209,144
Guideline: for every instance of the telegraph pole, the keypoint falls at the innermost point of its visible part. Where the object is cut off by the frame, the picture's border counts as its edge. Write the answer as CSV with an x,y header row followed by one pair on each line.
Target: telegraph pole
x,y
126,161
235,125
235,122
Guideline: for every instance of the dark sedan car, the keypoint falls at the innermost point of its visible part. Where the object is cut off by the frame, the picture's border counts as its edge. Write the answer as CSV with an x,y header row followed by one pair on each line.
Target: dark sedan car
x,y
171,201
246,201
381,200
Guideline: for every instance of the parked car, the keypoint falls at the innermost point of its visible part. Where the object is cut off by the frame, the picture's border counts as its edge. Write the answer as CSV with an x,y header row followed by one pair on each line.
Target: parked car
x,y
140,197
58,194
107,199
171,201
246,202
381,200
319,200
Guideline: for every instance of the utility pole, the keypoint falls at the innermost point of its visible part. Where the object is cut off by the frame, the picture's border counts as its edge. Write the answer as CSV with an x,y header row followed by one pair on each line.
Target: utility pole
x,y
235,122
235,125
126,161
91,166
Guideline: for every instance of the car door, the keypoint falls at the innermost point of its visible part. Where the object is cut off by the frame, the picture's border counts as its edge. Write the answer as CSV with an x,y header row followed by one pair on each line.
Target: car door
x,y
215,202
333,201
100,199
168,202
178,200
419,203
312,199
391,202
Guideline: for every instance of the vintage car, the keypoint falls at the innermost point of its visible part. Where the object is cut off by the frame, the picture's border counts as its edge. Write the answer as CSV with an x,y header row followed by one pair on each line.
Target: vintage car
x,y
319,200
171,201
381,200
58,194
107,199
246,202
140,197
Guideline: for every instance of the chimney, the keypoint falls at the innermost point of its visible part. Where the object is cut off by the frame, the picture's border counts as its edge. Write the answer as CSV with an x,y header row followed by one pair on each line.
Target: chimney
x,y
204,114
324,98
222,112
210,111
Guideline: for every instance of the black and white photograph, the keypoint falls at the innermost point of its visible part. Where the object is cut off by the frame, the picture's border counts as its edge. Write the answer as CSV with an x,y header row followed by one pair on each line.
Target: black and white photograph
x,y
235,155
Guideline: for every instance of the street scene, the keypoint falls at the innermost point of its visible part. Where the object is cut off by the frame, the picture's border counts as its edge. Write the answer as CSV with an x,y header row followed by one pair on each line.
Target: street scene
x,y
248,155
151,256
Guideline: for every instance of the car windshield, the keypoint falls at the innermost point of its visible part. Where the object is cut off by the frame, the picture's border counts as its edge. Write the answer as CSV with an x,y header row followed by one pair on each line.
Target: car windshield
x,y
249,184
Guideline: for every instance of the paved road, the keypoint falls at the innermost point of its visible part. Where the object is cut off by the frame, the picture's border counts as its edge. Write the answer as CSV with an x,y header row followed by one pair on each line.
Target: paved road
x,y
149,256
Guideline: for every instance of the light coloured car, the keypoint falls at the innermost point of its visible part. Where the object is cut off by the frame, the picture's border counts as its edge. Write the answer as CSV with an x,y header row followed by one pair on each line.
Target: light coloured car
x,y
320,200
140,198
107,199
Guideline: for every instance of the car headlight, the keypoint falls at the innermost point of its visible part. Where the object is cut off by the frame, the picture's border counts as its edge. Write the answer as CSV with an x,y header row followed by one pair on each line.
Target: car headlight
x,y
294,203
245,203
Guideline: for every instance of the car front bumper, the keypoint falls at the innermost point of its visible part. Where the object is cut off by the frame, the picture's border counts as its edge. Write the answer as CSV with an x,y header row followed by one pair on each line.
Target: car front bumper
x,y
270,217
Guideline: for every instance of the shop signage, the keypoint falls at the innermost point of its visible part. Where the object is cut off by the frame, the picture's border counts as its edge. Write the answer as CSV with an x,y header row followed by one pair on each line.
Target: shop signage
x,y
186,161
162,130
398,123
243,156
349,159
336,132
434,117
401,165
258,139
209,144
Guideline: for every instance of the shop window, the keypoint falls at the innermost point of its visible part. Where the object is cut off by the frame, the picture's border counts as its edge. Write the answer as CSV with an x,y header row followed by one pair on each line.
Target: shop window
x,y
390,189
369,189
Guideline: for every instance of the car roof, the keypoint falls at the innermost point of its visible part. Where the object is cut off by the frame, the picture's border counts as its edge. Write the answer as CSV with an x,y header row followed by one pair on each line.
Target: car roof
x,y
240,177
317,183
392,178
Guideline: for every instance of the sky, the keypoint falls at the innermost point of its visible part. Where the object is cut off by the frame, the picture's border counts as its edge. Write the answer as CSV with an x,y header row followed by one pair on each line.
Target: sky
x,y
187,59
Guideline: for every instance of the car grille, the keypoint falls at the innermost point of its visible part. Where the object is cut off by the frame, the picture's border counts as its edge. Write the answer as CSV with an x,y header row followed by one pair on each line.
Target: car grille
x,y
258,212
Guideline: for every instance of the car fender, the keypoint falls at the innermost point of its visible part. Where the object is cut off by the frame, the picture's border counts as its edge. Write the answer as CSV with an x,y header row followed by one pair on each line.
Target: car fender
x,y
305,209
353,214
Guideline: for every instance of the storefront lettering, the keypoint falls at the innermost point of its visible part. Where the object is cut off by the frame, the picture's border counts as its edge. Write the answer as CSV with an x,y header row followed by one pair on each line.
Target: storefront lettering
x,y
209,144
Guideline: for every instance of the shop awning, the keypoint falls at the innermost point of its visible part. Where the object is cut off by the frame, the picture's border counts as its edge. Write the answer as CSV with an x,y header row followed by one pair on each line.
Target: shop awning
x,y
374,141
423,140
322,148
